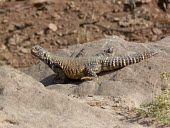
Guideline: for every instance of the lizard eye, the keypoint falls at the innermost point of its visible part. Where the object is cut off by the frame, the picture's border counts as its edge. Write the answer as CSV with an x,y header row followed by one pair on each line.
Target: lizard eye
x,y
36,48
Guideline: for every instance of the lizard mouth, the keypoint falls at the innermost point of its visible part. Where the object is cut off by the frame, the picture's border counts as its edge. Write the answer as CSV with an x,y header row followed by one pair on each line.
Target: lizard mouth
x,y
35,50
38,51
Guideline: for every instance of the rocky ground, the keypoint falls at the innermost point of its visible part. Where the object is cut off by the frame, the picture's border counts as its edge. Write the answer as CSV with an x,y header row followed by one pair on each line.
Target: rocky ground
x,y
31,100
36,102
56,24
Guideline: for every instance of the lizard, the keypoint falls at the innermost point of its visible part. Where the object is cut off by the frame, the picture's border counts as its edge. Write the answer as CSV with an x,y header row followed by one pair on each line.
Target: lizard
x,y
87,68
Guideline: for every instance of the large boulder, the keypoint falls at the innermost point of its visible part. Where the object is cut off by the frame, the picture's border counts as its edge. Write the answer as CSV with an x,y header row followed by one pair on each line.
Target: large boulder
x,y
26,103
32,101
134,85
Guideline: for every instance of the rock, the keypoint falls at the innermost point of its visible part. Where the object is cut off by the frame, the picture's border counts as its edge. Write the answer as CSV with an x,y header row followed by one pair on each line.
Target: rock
x,y
26,103
86,89
140,1
135,84
2,47
14,40
157,31
6,56
5,21
37,1
52,27
2,1
24,50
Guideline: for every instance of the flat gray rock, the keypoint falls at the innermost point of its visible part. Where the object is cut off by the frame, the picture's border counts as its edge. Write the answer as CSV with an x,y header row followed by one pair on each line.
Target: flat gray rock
x,y
26,103
135,84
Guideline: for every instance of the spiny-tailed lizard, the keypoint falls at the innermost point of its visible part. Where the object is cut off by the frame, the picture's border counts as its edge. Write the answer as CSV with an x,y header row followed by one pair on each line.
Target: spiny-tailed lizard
x,y
86,68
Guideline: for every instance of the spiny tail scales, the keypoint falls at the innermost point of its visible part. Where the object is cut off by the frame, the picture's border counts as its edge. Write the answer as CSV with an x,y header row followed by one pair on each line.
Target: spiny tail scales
x,y
110,63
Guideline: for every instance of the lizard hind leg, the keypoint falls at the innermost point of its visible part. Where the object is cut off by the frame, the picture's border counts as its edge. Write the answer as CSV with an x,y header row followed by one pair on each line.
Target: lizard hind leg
x,y
107,53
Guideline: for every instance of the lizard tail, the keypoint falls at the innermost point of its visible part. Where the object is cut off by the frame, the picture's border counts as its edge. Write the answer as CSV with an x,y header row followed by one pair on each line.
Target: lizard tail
x,y
122,61
135,58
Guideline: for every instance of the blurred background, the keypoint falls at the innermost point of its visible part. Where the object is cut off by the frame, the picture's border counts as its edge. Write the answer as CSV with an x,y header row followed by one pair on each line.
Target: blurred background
x,y
56,24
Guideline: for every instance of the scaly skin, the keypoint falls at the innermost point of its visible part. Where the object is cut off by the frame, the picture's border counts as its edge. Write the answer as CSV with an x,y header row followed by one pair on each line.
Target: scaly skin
x,y
86,68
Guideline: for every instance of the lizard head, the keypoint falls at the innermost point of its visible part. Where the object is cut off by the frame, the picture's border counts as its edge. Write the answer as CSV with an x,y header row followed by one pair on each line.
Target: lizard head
x,y
45,56
38,51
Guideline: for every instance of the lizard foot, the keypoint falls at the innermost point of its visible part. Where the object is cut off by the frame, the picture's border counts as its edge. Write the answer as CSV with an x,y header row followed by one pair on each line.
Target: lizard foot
x,y
61,77
58,80
88,78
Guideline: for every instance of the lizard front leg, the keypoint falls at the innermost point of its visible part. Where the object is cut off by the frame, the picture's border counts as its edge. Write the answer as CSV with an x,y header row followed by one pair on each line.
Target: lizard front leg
x,y
90,76
91,71
61,77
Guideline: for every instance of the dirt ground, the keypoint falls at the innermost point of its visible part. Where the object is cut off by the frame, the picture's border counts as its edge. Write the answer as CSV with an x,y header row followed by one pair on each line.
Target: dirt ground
x,y
58,24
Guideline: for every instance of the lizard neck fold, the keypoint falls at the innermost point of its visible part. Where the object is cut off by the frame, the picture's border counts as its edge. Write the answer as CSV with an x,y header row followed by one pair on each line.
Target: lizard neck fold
x,y
48,58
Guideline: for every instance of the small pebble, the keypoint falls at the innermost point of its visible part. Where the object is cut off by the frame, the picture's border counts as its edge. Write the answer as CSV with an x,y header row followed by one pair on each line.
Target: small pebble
x,y
52,27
